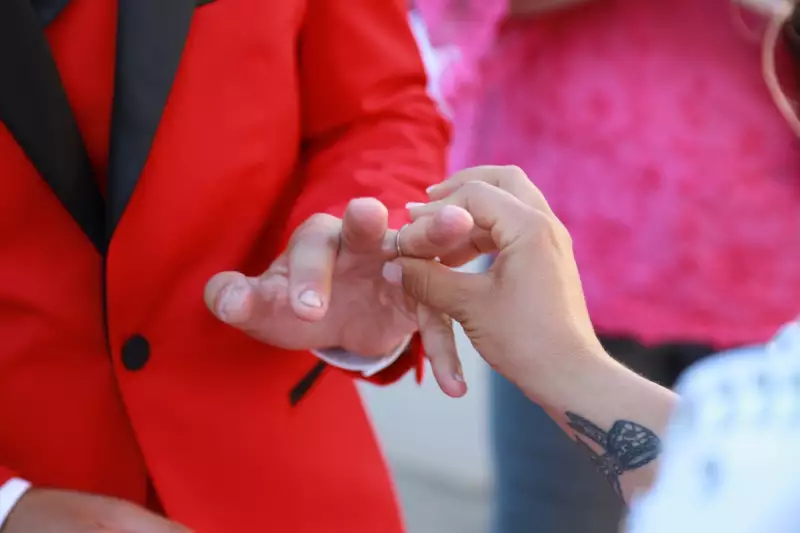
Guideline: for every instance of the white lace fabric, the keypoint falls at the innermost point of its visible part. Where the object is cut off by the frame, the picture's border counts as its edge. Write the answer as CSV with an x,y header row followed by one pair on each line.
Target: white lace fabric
x,y
730,462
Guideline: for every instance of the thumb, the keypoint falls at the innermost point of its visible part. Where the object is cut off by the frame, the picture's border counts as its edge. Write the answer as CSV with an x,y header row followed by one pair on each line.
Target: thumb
x,y
432,284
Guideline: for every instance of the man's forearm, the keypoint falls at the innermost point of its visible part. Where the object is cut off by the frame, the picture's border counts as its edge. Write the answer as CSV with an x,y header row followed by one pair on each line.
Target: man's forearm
x,y
616,416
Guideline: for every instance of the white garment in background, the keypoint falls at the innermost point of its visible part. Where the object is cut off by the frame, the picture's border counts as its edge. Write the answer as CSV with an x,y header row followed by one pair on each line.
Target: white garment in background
x,y
731,459
434,59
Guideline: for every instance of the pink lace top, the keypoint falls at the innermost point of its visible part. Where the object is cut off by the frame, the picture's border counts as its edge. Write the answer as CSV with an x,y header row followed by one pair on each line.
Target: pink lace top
x,y
648,126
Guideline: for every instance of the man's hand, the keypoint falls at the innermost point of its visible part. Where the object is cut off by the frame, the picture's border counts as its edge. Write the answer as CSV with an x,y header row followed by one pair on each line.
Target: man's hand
x,y
326,290
61,511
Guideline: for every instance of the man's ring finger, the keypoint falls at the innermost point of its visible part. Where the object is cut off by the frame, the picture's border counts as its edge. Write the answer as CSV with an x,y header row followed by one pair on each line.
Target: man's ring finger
x,y
397,247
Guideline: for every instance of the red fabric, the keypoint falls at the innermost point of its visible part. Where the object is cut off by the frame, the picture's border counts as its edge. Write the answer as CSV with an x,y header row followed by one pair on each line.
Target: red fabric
x,y
208,418
413,357
5,475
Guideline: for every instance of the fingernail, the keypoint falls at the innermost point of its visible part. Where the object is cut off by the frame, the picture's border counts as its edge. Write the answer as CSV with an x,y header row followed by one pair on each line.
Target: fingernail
x,y
393,273
310,299
232,299
412,205
459,375
433,188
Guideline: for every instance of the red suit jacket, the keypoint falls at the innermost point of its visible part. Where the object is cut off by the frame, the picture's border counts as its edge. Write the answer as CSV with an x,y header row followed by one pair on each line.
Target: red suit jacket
x,y
201,134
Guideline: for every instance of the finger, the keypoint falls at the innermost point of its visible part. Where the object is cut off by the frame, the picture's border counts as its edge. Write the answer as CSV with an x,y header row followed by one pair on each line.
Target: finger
x,y
111,514
444,290
478,242
431,236
364,226
439,342
231,297
311,261
162,525
495,210
458,249
508,178
153,523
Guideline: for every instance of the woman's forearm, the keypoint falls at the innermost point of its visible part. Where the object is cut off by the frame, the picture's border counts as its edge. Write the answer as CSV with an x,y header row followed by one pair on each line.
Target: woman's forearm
x,y
616,416
527,317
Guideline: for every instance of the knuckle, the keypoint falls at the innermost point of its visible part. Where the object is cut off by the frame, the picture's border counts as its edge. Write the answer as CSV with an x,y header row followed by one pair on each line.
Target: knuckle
x,y
416,284
564,235
469,174
539,199
547,230
542,228
462,299
322,218
476,188
319,223
319,228
515,179
514,173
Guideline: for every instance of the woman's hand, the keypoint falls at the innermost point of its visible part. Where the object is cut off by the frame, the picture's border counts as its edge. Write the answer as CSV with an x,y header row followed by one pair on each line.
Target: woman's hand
x,y
527,315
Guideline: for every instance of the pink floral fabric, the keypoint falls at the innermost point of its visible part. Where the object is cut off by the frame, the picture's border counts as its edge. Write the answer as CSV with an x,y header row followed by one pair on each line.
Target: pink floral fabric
x,y
648,126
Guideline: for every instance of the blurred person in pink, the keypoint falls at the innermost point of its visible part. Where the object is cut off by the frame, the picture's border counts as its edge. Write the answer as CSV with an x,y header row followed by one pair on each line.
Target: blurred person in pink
x,y
648,126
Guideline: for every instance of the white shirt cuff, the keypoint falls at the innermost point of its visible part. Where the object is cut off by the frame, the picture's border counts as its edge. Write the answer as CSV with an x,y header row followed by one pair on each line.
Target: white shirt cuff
x,y
10,493
368,366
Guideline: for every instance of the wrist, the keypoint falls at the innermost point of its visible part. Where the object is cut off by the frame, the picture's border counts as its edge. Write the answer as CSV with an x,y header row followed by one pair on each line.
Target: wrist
x,y
602,390
576,372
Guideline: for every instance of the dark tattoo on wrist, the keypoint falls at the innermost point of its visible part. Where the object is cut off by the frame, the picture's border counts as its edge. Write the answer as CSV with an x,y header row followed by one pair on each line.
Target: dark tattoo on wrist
x,y
626,446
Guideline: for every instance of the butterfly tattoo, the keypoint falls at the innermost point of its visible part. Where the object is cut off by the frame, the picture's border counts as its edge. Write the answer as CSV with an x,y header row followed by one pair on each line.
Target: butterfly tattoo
x,y
626,446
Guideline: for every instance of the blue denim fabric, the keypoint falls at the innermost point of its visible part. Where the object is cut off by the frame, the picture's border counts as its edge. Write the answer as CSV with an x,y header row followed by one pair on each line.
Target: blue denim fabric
x,y
544,483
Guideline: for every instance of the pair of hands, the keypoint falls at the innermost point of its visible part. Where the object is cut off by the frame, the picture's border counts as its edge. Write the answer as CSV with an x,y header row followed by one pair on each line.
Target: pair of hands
x,y
340,283
326,290
526,316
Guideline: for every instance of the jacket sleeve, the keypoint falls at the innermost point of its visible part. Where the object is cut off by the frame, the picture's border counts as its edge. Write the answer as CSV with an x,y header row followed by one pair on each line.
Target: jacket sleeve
x,y
5,475
369,125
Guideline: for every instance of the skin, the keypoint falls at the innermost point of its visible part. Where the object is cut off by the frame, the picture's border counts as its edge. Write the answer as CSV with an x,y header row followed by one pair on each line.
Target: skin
x,y
59,511
325,290
528,318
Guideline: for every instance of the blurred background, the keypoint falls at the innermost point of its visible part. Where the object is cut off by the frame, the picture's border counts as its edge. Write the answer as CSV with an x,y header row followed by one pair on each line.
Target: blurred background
x,y
652,131
438,447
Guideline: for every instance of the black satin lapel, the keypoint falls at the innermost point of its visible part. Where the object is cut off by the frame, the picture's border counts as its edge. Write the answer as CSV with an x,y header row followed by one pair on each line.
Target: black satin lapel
x,y
48,10
35,109
150,38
